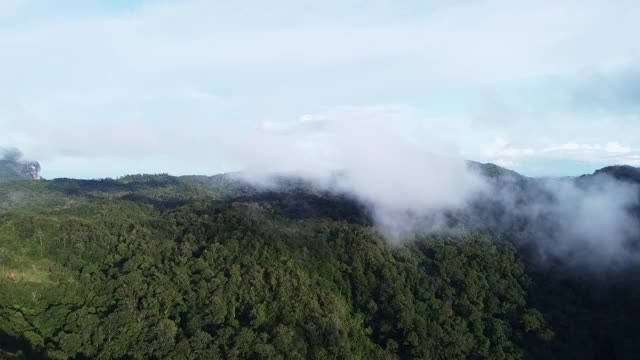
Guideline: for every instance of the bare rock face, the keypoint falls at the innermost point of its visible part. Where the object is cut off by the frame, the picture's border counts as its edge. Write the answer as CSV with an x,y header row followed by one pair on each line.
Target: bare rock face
x,y
31,169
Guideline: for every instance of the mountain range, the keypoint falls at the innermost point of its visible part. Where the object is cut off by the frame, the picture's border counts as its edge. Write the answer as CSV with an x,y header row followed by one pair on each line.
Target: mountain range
x,y
202,267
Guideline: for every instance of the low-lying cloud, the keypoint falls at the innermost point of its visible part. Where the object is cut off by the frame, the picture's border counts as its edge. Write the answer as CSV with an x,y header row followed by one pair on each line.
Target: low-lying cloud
x,y
373,163
590,222
409,189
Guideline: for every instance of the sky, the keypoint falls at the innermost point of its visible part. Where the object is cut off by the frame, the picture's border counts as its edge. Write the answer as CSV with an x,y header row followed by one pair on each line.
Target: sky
x,y
96,89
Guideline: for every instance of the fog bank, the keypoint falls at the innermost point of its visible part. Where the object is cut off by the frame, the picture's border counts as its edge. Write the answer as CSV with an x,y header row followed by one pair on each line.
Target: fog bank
x,y
409,189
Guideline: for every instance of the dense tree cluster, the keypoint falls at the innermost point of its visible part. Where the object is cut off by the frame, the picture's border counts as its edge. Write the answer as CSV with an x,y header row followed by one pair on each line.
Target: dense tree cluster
x,y
120,280
159,267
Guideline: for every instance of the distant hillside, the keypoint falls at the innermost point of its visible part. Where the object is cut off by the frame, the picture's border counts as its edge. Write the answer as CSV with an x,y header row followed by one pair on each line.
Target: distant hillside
x,y
620,172
493,171
10,170
208,267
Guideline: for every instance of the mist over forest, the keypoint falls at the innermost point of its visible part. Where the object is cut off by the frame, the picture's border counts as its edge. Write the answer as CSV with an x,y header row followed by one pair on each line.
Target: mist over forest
x,y
336,179
292,265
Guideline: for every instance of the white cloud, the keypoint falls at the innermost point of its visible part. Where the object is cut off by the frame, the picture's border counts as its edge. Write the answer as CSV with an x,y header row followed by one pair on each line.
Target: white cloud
x,y
500,148
609,148
612,153
173,71
502,153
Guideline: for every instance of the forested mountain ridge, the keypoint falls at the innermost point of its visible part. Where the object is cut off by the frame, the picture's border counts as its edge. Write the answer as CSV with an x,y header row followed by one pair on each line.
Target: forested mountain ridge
x,y
193,267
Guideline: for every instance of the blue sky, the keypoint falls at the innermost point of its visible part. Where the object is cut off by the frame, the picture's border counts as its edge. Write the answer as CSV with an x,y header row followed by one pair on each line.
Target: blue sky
x,y
105,88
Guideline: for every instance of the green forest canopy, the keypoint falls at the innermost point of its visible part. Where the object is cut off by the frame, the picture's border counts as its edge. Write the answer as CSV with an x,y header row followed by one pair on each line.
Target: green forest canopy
x,y
203,268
